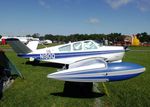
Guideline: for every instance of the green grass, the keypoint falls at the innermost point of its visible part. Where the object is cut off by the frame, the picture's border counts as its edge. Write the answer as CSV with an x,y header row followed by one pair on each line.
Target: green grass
x,y
36,90
134,92
4,46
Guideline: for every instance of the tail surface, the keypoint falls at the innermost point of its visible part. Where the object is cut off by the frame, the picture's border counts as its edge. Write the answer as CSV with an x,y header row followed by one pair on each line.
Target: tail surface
x,y
33,45
18,46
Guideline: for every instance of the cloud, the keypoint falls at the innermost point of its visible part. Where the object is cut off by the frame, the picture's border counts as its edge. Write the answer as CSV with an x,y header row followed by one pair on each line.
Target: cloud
x,y
143,5
93,21
115,4
44,4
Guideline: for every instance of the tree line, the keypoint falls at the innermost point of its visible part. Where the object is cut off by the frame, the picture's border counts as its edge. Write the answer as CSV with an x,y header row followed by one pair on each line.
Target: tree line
x,y
113,37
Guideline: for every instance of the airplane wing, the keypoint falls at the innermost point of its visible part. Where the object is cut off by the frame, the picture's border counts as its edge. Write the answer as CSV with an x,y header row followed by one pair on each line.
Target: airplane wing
x,y
82,71
98,70
7,64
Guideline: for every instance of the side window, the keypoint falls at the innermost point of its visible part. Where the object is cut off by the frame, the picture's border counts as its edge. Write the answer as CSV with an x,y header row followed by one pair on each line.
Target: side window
x,y
66,48
77,46
89,45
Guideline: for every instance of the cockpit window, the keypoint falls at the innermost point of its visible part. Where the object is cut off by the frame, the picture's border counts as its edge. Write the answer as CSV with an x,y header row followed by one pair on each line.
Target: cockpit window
x,y
99,43
66,48
89,45
77,46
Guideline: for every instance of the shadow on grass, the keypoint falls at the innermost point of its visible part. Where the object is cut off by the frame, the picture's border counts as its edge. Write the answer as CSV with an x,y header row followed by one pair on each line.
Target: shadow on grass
x,y
45,64
78,95
78,90
71,89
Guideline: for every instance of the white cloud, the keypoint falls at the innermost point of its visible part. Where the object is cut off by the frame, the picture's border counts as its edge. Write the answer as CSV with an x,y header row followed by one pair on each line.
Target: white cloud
x,y
143,5
115,4
93,21
43,3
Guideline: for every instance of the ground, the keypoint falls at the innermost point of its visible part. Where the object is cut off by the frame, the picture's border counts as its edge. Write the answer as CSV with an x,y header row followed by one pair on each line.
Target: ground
x,y
36,90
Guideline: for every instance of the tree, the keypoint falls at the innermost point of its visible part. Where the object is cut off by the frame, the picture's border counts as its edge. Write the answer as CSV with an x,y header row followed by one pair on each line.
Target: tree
x,y
144,37
0,36
28,35
36,35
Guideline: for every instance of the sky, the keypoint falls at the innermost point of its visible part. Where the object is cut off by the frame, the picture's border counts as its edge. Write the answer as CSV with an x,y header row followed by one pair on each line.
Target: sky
x,y
65,17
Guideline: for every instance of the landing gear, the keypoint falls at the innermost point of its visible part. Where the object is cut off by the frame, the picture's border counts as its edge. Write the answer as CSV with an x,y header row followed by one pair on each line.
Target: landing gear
x,y
33,62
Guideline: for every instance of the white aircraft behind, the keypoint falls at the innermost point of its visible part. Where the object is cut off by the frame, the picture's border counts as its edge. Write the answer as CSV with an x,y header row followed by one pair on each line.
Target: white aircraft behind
x,y
67,53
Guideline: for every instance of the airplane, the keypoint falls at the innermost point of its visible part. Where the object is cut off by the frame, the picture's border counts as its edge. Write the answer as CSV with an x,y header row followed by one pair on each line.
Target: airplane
x,y
21,38
67,53
87,60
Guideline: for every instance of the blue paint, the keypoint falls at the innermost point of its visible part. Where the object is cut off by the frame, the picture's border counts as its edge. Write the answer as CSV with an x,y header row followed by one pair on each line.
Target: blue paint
x,y
72,54
110,78
123,66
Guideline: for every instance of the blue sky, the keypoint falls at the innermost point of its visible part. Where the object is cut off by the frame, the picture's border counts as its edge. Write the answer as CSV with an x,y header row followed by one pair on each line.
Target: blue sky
x,y
22,17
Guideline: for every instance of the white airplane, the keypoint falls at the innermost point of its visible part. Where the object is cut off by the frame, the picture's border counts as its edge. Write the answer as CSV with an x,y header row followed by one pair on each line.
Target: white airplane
x,y
20,38
87,60
67,53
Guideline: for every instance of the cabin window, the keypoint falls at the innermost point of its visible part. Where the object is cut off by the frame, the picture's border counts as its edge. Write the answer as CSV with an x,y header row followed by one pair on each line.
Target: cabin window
x,y
66,48
77,46
89,45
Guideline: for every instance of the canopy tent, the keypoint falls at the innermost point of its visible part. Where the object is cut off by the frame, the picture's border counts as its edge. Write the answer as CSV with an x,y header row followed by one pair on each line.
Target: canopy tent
x,y
7,64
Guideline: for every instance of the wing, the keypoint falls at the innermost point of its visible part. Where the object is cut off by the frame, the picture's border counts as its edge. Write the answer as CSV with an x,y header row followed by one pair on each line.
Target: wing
x,y
86,70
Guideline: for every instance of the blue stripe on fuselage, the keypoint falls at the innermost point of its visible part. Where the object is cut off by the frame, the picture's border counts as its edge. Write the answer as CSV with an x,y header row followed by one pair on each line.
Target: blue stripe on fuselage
x,y
110,78
71,54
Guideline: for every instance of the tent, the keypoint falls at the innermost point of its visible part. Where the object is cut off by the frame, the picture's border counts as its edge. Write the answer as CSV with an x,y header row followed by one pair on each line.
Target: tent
x,y
7,64
8,72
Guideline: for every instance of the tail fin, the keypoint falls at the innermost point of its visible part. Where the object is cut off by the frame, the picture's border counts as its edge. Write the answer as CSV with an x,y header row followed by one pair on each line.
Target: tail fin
x,y
18,46
33,45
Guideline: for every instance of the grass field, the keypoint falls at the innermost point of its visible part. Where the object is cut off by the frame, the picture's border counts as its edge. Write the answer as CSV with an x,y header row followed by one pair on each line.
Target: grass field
x,y
134,92
36,90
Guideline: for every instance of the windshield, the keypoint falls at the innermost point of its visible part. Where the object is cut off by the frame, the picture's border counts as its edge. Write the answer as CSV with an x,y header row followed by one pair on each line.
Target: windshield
x,y
88,45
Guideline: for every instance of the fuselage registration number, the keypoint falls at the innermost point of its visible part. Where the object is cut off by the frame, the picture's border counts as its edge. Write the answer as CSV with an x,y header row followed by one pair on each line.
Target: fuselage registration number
x,y
47,55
